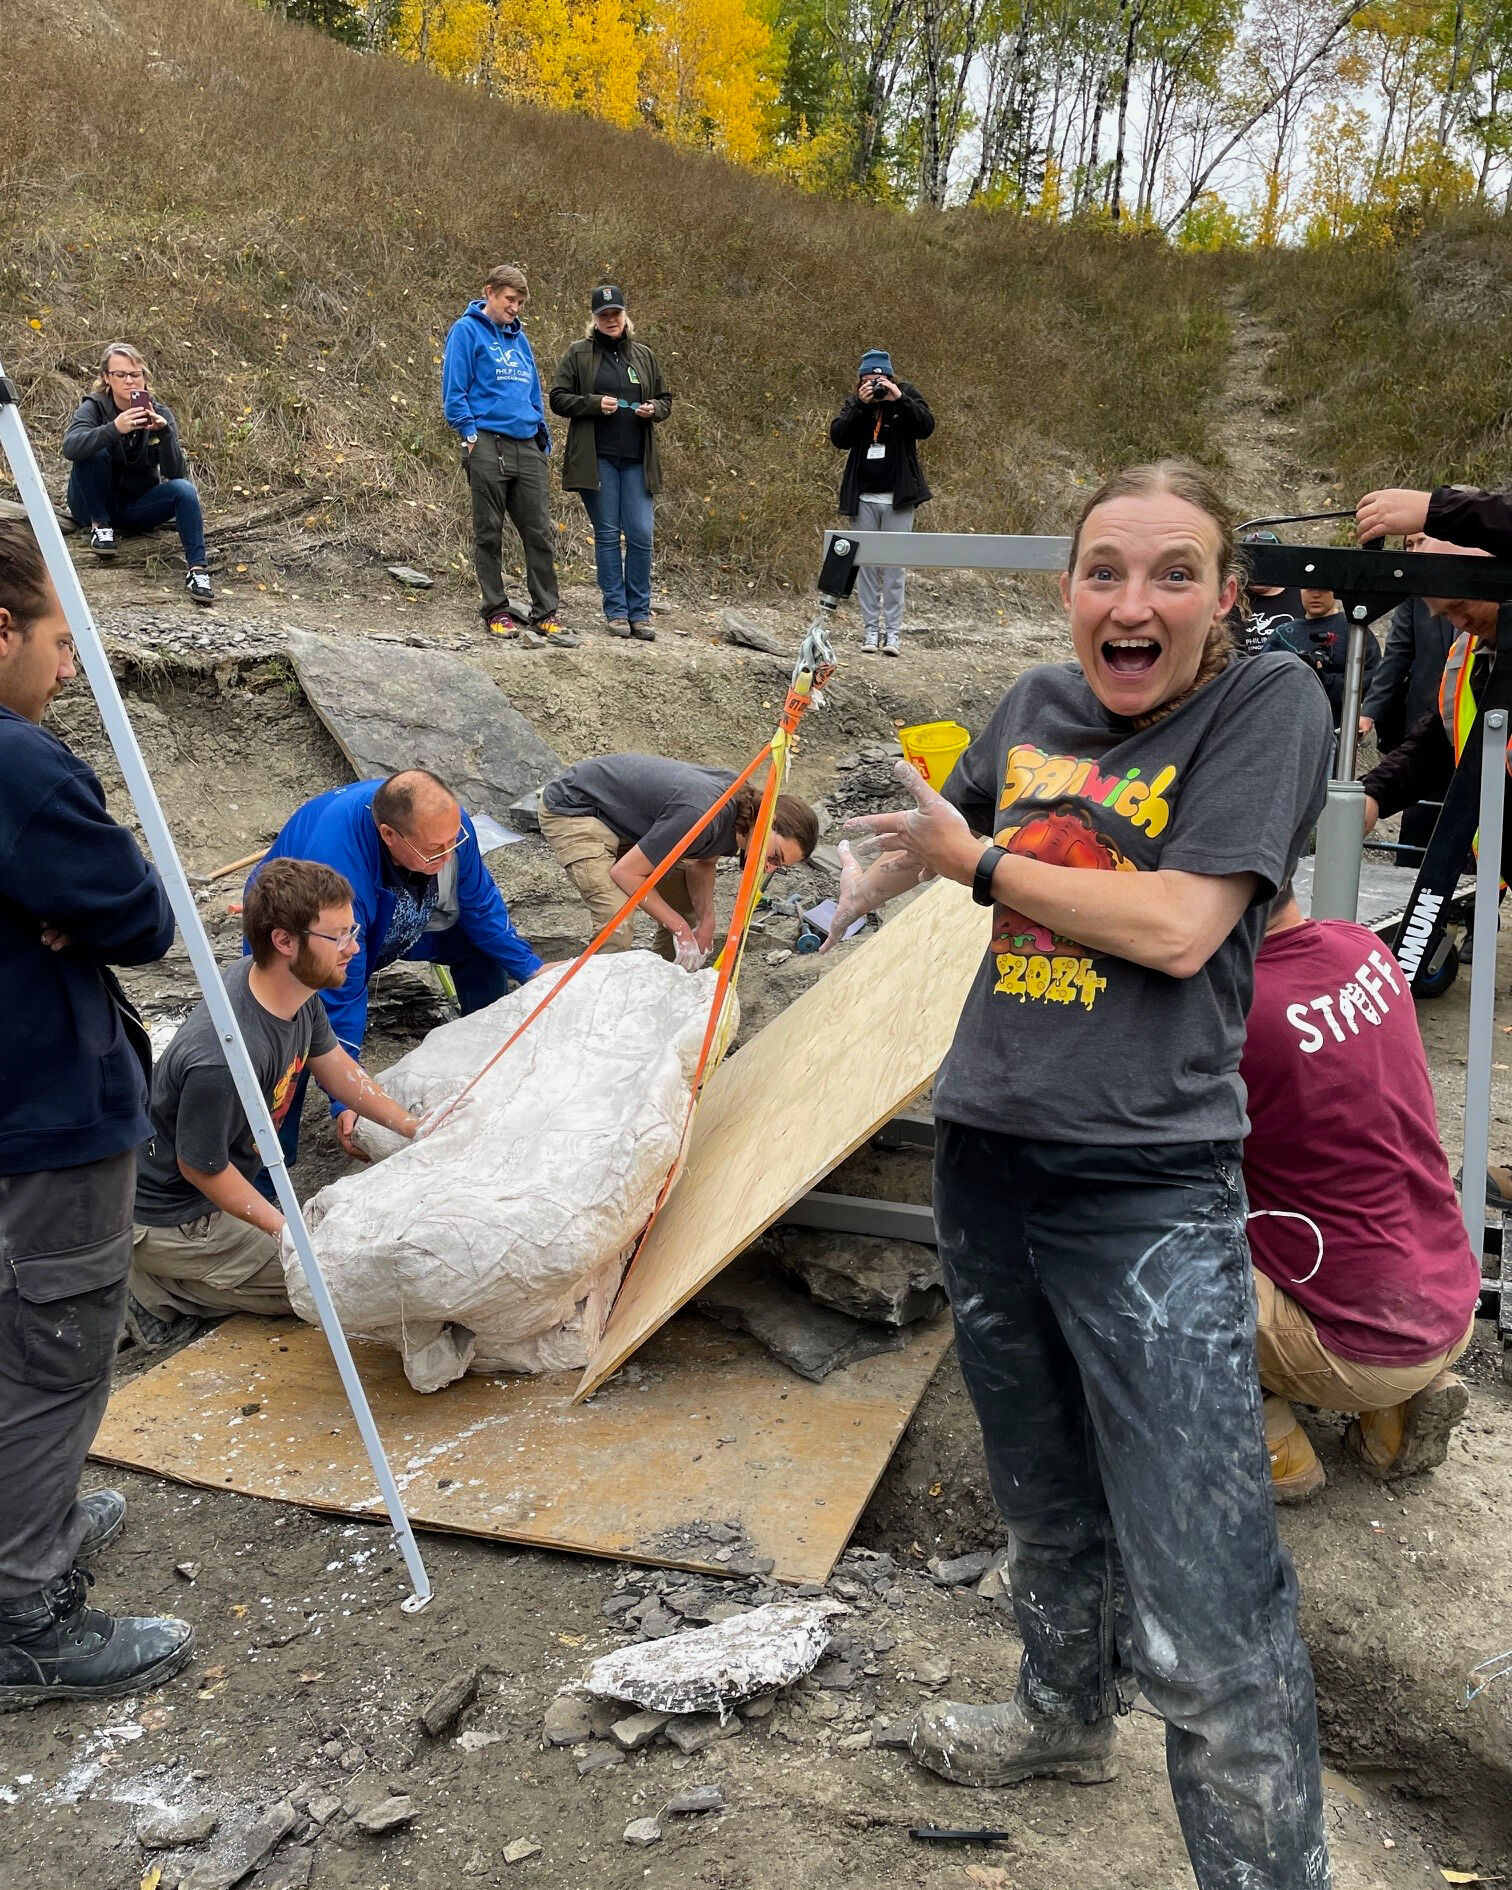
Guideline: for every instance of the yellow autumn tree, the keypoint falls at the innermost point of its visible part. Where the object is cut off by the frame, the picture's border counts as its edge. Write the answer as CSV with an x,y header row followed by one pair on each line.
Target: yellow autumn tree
x,y
571,55
709,77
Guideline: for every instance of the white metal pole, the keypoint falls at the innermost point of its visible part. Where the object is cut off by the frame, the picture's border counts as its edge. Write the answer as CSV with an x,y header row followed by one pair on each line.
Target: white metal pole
x,y
28,477
1483,992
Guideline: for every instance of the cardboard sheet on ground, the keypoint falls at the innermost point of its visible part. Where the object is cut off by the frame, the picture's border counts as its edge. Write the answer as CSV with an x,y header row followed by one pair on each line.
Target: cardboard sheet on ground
x,y
804,1093
389,707
708,1428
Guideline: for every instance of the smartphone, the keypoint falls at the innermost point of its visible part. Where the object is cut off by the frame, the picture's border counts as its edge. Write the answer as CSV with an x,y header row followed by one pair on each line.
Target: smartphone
x,y
140,397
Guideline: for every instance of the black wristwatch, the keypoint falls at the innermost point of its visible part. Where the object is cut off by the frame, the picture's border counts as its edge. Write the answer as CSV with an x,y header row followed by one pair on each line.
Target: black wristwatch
x,y
981,879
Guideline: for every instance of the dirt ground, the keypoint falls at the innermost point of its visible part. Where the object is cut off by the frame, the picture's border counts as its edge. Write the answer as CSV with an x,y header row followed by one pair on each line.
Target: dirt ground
x,y
309,1680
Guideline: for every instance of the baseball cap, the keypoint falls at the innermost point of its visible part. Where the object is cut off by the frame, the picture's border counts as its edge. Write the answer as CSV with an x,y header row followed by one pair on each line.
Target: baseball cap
x,y
606,295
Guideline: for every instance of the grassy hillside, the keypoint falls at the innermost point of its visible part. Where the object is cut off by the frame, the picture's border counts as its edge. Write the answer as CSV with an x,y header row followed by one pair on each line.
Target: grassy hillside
x,y
1400,360
288,228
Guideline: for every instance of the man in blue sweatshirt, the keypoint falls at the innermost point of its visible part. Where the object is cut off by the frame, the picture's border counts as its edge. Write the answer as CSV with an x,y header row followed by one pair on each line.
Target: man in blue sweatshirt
x,y
491,395
76,897
420,890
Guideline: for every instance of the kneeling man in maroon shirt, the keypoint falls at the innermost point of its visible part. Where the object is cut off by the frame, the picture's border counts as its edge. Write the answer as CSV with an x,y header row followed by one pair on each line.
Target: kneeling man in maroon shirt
x,y
1366,1283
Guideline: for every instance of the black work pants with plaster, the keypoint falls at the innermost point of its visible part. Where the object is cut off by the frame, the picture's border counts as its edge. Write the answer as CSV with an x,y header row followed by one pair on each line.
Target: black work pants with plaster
x,y
510,479
65,1251
1105,1323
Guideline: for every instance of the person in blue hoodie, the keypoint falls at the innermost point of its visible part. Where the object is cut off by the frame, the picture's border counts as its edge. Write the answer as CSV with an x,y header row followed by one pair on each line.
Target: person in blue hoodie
x,y
491,395
420,890
76,897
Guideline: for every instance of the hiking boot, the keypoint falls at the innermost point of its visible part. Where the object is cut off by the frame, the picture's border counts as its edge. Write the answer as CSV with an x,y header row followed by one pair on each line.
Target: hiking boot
x,y
870,643
1406,1439
54,1647
999,1745
501,624
152,1330
1295,1471
618,626
643,631
102,541
106,1510
197,584
892,644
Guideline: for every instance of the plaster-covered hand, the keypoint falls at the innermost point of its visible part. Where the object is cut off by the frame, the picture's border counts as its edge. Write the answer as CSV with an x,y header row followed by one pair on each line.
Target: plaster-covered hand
x,y
851,902
687,953
931,836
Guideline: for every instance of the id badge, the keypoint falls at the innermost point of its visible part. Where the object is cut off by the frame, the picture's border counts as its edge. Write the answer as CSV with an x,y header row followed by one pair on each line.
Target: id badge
x,y
876,452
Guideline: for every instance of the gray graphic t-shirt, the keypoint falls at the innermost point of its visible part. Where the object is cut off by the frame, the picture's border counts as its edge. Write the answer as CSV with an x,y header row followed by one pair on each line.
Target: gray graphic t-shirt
x,y
1061,1044
196,1112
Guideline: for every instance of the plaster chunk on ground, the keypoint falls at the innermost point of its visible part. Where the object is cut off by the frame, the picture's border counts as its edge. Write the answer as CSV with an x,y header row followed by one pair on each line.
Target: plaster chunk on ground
x,y
710,1669
497,1241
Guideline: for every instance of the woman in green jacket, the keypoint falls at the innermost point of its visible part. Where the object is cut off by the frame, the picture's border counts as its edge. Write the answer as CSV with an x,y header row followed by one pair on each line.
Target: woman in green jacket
x,y
608,385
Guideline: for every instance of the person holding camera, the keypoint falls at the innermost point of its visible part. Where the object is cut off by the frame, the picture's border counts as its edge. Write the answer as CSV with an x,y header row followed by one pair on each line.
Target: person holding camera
x,y
878,429
129,470
610,390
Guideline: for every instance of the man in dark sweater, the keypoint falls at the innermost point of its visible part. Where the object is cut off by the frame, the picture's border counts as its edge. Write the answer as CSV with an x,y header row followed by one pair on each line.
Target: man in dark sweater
x,y
76,897
129,470
878,429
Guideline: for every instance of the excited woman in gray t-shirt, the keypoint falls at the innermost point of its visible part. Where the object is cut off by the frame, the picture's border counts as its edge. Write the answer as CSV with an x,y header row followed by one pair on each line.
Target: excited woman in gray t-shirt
x,y
1144,803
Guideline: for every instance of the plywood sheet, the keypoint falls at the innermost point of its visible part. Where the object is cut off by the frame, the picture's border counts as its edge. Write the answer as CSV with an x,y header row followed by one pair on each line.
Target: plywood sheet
x,y
705,1428
390,707
802,1095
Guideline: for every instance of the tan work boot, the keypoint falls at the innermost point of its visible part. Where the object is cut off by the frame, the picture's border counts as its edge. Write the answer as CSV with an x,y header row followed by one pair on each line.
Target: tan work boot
x,y
1406,1439
1295,1471
999,1745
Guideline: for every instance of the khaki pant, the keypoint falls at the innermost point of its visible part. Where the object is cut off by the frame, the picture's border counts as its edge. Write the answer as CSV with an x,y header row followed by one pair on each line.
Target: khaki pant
x,y
1294,1363
216,1264
586,848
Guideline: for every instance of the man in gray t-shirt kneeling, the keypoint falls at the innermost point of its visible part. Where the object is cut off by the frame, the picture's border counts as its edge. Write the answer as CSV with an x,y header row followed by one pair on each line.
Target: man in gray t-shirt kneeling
x,y
206,1241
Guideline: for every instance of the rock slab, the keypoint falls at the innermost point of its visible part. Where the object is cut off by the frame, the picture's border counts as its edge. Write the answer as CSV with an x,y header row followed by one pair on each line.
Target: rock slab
x,y
391,707
160,1828
892,1282
811,1340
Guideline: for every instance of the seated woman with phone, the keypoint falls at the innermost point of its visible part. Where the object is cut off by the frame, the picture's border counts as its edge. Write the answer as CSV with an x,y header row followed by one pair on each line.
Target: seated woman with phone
x,y
129,471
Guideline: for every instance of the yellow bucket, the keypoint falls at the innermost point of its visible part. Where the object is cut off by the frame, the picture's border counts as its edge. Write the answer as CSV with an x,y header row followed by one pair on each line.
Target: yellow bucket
x,y
934,748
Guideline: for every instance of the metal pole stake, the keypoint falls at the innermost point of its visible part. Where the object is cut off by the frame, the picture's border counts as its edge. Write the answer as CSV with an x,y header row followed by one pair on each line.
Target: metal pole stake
x,y
91,650
1483,997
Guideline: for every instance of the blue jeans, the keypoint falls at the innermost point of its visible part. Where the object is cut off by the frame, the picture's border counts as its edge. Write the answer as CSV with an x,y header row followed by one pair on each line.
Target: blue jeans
x,y
92,501
622,507
1105,1325
480,981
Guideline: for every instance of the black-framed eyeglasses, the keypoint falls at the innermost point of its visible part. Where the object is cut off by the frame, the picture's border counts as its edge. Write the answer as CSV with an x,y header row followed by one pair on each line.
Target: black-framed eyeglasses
x,y
351,936
125,374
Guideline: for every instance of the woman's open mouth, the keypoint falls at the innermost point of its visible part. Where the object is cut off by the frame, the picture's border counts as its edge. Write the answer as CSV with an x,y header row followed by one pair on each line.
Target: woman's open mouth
x,y
1130,656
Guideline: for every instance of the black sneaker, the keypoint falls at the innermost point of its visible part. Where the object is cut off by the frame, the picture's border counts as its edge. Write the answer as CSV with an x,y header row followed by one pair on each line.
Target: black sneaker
x,y
198,585
151,1330
106,1510
102,541
54,1647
